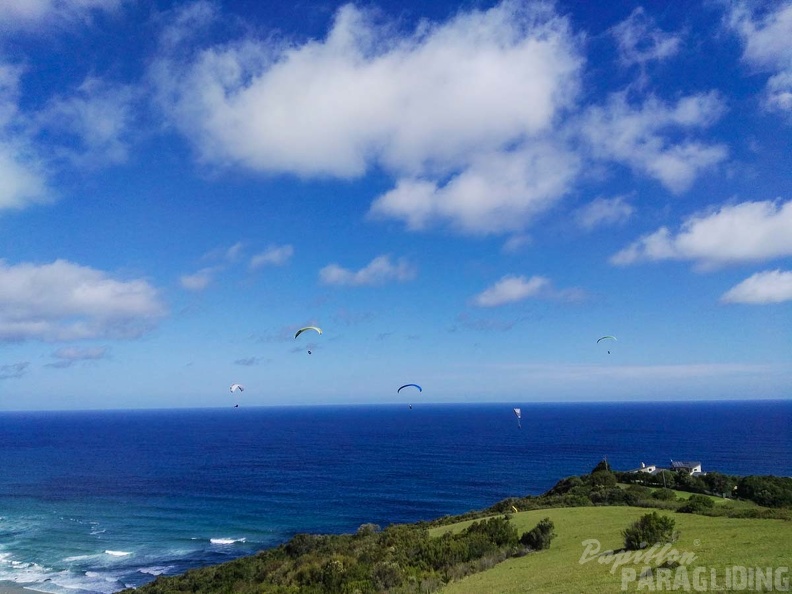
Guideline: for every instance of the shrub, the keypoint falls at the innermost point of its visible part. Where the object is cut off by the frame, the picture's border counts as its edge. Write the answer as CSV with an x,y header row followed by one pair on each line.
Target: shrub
x,y
639,491
539,537
697,503
367,529
611,496
664,495
649,529
498,531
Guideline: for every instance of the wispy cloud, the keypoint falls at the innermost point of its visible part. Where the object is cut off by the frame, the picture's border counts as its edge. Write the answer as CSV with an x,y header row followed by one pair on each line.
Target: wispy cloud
x,y
770,286
745,232
276,255
249,361
513,288
377,272
221,259
766,33
92,126
646,136
65,301
510,289
68,356
484,324
640,40
200,280
32,14
14,371
604,212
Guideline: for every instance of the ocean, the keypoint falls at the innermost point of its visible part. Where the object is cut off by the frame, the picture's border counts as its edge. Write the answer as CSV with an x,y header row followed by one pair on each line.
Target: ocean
x,y
92,502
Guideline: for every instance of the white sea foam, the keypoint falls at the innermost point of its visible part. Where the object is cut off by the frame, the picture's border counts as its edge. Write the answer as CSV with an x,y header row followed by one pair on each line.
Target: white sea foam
x,y
118,553
78,558
156,570
226,541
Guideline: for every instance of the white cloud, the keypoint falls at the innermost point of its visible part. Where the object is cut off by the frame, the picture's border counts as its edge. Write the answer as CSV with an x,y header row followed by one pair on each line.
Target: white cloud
x,y
767,46
367,95
499,192
23,181
377,272
770,286
199,280
602,212
68,356
65,301
273,256
640,137
640,41
511,288
745,232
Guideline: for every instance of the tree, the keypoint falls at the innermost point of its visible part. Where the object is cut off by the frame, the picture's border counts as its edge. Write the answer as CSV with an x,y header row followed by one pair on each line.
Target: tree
x,y
649,529
771,491
602,479
719,484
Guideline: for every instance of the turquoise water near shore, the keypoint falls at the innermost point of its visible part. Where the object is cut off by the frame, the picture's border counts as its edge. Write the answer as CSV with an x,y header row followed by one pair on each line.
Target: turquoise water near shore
x,y
91,502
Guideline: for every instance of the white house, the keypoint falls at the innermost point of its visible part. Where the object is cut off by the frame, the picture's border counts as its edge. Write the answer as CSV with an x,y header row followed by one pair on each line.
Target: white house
x,y
650,469
692,468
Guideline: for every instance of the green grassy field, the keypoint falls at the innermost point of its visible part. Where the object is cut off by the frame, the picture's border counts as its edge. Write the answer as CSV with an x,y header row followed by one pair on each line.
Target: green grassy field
x,y
716,542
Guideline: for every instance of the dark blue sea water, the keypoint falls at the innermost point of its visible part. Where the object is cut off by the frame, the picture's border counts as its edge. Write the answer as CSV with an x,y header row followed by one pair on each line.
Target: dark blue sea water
x,y
96,501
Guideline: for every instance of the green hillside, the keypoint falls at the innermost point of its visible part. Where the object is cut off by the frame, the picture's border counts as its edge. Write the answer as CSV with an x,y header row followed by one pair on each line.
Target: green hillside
x,y
716,542
504,548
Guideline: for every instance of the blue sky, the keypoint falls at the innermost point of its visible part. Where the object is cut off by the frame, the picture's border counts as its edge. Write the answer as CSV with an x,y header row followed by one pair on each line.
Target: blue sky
x,y
462,195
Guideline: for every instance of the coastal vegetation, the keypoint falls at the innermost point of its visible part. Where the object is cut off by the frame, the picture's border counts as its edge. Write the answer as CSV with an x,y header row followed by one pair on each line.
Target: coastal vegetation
x,y
496,549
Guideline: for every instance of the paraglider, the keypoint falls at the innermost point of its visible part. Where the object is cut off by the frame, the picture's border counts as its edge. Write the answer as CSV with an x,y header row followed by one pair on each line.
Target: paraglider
x,y
420,389
606,338
518,414
238,387
301,330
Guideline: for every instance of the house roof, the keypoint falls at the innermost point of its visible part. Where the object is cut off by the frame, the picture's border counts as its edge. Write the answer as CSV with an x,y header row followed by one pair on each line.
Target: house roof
x,y
676,464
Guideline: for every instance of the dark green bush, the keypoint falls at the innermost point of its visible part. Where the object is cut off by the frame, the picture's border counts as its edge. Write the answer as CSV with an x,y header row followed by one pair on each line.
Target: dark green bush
x,y
664,495
540,536
697,504
649,529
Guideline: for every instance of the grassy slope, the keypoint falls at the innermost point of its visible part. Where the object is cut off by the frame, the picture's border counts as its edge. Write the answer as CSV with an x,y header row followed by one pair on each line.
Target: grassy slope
x,y
716,542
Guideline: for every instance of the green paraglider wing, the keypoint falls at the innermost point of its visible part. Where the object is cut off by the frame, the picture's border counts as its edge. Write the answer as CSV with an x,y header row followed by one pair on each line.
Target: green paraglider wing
x,y
420,389
301,330
606,338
